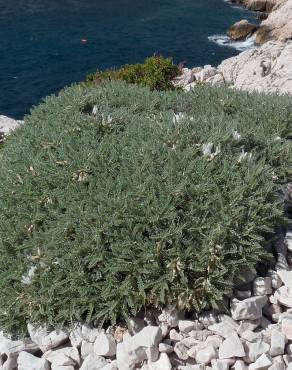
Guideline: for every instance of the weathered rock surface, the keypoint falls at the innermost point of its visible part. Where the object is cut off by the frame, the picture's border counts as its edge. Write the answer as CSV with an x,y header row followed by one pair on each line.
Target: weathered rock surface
x,y
262,69
8,124
241,30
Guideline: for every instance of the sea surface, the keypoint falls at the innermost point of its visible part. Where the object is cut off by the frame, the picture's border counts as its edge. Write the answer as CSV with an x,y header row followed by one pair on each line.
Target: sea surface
x,y
41,49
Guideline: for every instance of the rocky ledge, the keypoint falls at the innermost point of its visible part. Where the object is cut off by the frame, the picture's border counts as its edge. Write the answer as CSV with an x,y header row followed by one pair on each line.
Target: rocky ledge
x,y
264,69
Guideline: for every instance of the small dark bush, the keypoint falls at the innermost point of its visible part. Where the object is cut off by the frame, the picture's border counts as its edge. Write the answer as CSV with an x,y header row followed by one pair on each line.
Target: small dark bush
x,y
156,72
122,209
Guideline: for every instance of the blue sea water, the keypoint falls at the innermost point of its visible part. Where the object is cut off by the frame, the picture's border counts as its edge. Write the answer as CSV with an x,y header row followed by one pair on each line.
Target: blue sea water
x,y
41,49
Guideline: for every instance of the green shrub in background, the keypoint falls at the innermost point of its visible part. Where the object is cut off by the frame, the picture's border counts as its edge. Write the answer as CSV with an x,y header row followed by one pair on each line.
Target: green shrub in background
x,y
156,199
156,72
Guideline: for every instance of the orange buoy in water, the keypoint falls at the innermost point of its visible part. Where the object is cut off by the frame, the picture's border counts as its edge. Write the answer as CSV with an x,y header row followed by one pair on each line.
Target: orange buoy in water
x,y
84,41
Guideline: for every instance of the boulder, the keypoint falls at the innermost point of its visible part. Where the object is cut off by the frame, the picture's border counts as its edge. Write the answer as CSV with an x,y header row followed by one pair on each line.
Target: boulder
x,y
27,361
241,30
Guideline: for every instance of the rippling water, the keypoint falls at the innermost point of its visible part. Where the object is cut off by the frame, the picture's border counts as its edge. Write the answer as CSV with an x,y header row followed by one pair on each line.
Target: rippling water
x,y
41,51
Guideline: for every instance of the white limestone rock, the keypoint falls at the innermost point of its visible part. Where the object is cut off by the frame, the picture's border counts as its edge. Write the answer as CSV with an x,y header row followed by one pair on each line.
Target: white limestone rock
x,y
214,340
284,296
286,277
66,356
205,354
278,342
137,348
221,364
200,335
27,361
163,363
278,363
185,78
248,309
175,336
255,350
8,346
231,347
239,365
75,336
275,279
105,345
8,125
262,363
286,325
93,362
181,350
86,349
165,348
222,329
262,286
185,326
58,367
46,340
89,333
169,317
9,361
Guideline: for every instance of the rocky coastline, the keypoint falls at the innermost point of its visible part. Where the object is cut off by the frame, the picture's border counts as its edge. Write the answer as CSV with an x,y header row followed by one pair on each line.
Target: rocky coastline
x,y
264,68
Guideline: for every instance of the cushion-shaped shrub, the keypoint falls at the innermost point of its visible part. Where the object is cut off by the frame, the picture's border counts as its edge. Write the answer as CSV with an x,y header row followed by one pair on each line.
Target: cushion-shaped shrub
x,y
156,199
156,73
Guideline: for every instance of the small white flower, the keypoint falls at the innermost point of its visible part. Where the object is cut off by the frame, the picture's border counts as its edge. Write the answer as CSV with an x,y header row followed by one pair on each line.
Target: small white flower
x,y
278,138
178,117
109,119
236,135
27,278
244,156
207,149
94,110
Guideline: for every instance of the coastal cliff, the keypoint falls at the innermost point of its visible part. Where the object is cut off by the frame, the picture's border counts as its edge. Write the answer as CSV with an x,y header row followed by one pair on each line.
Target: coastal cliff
x,y
263,68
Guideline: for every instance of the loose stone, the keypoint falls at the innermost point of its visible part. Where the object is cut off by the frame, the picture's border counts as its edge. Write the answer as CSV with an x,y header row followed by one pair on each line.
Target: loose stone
x,y
262,363
27,361
248,309
278,342
105,345
231,347
165,348
262,286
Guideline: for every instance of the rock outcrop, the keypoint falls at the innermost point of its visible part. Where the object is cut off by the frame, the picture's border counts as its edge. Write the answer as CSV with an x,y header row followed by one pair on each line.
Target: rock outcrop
x,y
264,69
8,124
241,30
279,22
